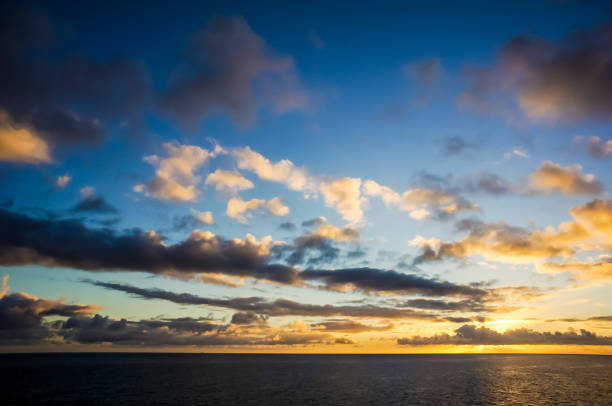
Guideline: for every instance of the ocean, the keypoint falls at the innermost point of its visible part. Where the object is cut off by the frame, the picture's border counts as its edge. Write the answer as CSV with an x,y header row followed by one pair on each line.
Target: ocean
x,y
203,379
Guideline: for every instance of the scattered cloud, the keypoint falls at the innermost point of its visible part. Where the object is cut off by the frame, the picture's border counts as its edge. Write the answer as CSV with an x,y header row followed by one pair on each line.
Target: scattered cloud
x,y
228,67
568,180
239,209
62,181
21,145
175,179
231,181
568,79
94,204
596,147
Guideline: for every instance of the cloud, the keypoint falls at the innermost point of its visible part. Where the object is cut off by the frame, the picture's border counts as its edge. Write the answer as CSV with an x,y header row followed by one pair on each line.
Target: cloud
x,y
349,326
238,209
569,79
94,204
41,91
589,271
22,315
187,332
175,179
568,180
592,318
62,181
204,217
488,183
271,308
21,145
192,220
247,318
228,180
284,171
590,230
471,335
340,234
317,242
389,196
69,243
287,226
373,280
418,201
596,147
344,195
455,145
317,221
347,195
276,207
228,67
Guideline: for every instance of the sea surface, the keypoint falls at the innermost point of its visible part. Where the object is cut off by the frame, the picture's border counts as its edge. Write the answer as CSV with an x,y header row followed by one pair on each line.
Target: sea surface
x,y
181,379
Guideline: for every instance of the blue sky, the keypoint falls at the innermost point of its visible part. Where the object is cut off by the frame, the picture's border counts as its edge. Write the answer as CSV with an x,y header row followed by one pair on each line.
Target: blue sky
x,y
439,142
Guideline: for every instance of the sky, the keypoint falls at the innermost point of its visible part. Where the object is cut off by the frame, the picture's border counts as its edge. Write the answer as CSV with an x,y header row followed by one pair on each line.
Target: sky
x,y
327,177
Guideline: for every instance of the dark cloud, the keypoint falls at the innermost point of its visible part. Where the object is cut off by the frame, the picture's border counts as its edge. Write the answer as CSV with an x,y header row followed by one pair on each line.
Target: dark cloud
x,y
600,149
488,183
349,326
287,226
22,316
564,80
65,99
308,249
471,335
455,145
69,243
275,308
230,68
94,204
596,147
378,281
315,222
247,318
468,305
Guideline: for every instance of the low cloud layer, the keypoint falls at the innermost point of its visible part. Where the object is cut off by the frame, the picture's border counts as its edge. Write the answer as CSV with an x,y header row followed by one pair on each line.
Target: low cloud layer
x,y
22,316
471,335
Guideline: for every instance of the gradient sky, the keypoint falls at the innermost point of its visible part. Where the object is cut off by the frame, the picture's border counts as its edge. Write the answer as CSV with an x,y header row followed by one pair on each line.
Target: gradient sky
x,y
240,177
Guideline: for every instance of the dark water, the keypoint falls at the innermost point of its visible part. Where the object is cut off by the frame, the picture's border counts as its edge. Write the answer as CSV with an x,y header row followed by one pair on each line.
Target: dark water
x,y
147,379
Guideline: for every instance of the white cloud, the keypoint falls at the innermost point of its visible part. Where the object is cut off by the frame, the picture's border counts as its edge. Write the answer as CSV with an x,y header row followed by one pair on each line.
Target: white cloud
x,y
204,217
283,171
62,181
344,195
277,207
239,209
87,191
228,180
174,176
